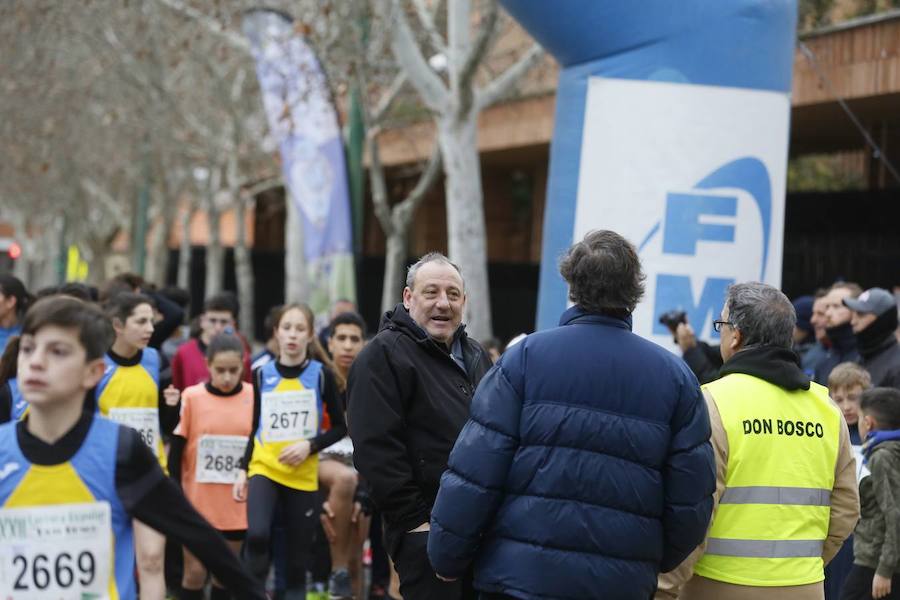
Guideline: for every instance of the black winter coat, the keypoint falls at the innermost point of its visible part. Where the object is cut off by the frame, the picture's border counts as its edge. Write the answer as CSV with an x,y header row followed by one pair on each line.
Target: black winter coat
x,y
407,400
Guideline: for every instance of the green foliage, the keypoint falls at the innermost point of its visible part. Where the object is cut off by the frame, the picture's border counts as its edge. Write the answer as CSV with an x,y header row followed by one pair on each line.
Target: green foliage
x,y
869,7
823,173
814,13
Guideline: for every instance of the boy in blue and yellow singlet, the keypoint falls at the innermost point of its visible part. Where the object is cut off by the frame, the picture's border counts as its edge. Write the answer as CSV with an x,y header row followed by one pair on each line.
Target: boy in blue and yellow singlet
x,y
71,481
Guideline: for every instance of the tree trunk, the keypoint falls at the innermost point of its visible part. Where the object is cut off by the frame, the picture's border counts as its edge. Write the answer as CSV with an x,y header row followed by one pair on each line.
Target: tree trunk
x,y
243,266
95,251
158,259
394,261
184,249
466,232
215,255
56,274
295,287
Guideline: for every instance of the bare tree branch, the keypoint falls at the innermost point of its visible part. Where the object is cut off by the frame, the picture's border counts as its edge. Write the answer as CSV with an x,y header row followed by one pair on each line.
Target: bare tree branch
x,y
409,55
387,99
263,186
237,85
135,73
500,86
426,20
404,212
486,34
210,24
101,195
379,187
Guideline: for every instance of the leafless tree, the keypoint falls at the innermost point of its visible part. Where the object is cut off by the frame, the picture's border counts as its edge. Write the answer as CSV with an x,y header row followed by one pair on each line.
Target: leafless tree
x,y
455,99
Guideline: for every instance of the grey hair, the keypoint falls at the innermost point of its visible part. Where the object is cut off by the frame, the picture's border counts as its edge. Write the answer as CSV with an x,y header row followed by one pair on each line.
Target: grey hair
x,y
428,258
762,313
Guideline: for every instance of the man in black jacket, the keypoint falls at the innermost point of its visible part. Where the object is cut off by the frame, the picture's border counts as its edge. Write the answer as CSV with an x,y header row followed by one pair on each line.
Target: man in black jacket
x,y
874,323
838,329
408,398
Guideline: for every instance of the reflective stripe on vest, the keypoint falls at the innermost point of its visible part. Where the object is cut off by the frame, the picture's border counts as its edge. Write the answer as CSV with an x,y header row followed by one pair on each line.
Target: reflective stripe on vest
x,y
765,548
768,494
772,519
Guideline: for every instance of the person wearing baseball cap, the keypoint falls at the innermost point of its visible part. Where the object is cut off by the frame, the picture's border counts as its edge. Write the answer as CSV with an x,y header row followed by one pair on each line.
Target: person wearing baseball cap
x,y
874,322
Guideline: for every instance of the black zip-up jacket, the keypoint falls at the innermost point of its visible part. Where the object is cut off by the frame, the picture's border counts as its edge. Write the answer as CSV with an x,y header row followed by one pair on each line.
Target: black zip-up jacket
x,y
407,402
843,349
879,350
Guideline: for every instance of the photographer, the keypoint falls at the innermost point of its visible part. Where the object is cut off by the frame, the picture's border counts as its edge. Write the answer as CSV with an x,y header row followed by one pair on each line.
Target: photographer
x,y
703,359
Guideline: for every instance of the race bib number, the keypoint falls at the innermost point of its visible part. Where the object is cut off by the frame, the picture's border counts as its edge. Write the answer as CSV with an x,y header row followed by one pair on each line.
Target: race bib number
x,y
289,416
218,458
143,420
61,552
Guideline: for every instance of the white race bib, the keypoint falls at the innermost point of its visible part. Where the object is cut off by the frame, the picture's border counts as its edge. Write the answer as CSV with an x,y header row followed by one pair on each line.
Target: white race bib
x,y
143,420
289,416
61,552
218,458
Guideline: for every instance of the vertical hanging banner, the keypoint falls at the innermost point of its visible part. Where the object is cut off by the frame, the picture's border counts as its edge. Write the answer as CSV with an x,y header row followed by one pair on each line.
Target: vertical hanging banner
x,y
303,119
672,123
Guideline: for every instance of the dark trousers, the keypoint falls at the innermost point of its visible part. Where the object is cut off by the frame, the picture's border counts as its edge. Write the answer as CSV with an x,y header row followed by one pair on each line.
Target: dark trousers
x,y
381,570
858,585
278,549
837,570
321,551
300,516
417,578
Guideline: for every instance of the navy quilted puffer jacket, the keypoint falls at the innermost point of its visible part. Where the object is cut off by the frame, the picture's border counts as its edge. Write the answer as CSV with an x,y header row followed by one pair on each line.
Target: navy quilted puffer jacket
x,y
584,470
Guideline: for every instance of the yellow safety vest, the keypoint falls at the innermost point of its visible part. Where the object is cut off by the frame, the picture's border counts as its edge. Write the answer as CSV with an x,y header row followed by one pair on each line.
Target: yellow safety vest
x,y
772,519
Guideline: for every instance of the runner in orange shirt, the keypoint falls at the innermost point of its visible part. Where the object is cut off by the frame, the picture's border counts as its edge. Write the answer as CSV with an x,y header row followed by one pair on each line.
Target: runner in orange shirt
x,y
207,448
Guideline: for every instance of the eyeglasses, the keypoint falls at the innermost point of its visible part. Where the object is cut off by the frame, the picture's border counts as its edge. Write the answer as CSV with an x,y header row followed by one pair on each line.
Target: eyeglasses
x,y
717,325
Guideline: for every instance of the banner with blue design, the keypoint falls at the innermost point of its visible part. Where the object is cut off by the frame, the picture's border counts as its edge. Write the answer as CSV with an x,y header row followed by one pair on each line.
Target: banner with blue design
x,y
302,118
672,123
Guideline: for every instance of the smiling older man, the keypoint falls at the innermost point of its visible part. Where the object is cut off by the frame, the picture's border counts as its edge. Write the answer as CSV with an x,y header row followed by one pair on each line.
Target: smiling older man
x,y
408,398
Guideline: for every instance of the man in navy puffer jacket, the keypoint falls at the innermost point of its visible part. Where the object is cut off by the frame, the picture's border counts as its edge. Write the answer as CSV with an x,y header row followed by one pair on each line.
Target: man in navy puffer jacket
x,y
585,468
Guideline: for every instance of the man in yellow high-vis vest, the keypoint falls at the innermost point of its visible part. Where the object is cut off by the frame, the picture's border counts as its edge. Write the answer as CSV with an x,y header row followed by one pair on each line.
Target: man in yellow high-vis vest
x,y
786,494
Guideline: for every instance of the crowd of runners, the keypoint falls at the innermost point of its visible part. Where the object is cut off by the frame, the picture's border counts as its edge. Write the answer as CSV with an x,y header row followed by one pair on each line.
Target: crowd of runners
x,y
260,453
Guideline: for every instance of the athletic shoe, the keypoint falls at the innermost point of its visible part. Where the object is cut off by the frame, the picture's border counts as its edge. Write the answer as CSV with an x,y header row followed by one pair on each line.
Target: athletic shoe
x,y
339,585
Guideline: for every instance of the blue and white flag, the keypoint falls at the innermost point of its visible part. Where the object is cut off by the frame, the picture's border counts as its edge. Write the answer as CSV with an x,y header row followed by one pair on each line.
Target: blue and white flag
x,y
671,129
303,119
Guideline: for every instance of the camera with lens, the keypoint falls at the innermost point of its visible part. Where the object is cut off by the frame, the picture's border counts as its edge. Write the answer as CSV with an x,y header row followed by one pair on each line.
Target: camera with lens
x,y
673,318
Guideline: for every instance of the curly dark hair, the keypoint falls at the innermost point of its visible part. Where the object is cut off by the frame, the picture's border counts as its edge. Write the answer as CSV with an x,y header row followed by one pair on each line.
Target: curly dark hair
x,y
604,274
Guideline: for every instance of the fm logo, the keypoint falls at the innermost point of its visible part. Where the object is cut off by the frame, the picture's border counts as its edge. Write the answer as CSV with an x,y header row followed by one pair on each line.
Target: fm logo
x,y
684,228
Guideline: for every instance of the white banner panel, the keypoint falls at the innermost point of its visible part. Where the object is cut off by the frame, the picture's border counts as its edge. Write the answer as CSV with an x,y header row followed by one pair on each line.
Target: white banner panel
x,y
703,202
